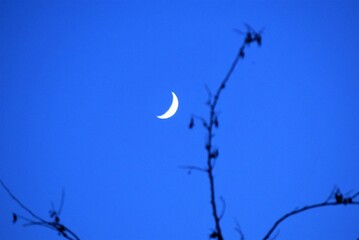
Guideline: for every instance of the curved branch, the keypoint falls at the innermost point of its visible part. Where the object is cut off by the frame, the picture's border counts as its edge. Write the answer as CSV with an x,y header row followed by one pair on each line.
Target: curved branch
x,y
306,208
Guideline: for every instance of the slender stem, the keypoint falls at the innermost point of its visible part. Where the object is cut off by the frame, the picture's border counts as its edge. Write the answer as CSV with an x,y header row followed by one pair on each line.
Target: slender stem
x,y
209,146
212,122
211,183
225,80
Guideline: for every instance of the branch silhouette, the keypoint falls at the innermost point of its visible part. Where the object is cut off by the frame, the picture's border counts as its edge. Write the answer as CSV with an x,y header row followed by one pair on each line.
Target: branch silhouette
x,y
337,199
54,224
212,123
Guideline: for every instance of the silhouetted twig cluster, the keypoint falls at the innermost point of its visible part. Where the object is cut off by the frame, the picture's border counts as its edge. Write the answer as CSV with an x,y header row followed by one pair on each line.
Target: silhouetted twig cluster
x,y
34,220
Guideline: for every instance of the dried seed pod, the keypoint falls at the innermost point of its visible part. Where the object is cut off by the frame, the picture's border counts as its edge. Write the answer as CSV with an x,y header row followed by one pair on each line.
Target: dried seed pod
x,y
14,217
248,38
338,196
191,123
214,234
208,147
215,121
215,153
241,52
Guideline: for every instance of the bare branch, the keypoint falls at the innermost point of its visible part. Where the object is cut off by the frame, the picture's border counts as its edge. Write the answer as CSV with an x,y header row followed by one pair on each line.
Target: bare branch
x,y
335,198
212,123
338,201
53,225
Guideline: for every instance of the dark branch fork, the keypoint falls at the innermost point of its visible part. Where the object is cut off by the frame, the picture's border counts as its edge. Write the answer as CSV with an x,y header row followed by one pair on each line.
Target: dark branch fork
x,y
54,224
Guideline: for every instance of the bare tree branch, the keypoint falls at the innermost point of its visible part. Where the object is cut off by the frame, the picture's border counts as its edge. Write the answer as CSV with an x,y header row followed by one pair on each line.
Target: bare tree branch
x,y
335,198
339,200
54,224
212,123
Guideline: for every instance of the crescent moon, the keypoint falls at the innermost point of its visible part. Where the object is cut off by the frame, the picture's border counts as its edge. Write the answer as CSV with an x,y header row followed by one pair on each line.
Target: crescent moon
x,y
173,108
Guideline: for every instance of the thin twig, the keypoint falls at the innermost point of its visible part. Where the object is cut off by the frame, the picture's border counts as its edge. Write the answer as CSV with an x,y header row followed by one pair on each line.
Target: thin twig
x,y
331,194
190,168
204,122
209,95
239,230
223,207
20,203
61,202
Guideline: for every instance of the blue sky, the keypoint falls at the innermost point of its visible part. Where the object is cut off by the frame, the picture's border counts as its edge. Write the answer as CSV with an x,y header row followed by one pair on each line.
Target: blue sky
x,y
81,84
